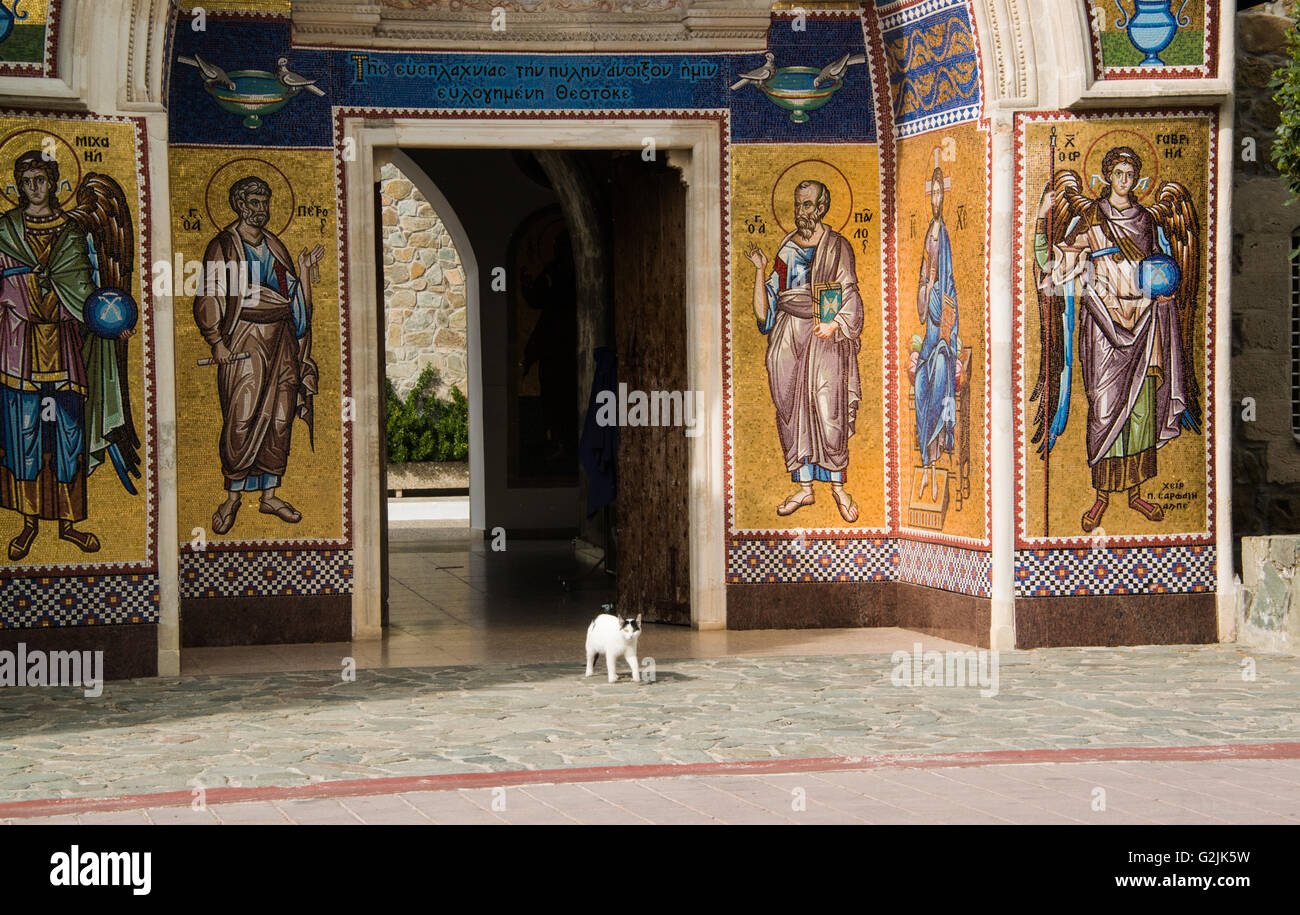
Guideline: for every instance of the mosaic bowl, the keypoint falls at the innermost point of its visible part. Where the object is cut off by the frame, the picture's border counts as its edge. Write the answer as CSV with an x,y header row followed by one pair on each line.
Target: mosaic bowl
x,y
792,88
256,93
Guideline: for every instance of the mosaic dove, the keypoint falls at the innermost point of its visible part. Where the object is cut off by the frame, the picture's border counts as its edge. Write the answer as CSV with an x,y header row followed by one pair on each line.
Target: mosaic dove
x,y
292,80
836,69
211,72
757,77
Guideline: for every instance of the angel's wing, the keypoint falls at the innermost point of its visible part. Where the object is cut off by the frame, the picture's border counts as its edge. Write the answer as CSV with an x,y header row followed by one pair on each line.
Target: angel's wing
x,y
103,213
1064,210
1175,215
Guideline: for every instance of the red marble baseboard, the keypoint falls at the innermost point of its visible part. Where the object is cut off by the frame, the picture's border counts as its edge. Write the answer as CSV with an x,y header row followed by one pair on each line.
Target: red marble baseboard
x,y
810,605
215,621
1117,619
943,614
130,649
851,604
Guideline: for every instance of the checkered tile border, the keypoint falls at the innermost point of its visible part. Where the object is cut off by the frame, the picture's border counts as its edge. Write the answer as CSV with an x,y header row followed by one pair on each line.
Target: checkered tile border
x,y
1039,573
950,568
936,121
751,561
88,600
1122,570
933,565
223,573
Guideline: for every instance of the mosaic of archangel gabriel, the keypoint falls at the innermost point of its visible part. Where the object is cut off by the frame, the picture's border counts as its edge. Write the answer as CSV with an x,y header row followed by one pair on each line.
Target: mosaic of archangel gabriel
x,y
1119,279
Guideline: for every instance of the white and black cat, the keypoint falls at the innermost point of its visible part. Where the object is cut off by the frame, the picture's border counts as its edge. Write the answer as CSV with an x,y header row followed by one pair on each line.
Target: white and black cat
x,y
614,637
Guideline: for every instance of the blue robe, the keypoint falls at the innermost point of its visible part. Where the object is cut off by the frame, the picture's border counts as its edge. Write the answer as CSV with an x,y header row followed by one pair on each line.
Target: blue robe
x,y
936,372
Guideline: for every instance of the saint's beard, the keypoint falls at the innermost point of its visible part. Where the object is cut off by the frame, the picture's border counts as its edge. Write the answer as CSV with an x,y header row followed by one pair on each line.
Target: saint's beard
x,y
806,225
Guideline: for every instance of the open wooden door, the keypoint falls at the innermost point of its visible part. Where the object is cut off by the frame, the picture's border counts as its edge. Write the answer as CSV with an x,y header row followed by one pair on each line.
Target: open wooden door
x,y
649,215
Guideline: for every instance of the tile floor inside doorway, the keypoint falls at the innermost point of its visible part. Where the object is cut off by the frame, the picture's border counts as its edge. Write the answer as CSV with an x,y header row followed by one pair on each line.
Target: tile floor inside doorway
x,y
453,601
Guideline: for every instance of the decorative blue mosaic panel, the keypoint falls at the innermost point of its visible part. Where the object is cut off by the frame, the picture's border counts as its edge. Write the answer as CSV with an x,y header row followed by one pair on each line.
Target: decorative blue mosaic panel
x,y
933,62
229,573
201,114
949,568
91,600
1133,570
810,560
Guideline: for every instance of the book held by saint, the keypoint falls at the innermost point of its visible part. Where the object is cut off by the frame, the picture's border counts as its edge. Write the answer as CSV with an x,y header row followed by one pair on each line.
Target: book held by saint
x,y
829,298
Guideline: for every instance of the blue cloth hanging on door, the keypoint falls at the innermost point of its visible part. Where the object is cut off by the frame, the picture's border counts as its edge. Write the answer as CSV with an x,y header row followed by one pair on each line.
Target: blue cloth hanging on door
x,y
598,450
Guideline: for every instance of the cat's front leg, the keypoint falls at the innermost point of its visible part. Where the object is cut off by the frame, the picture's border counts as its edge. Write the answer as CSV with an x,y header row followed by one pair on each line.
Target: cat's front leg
x,y
613,674
636,667
591,659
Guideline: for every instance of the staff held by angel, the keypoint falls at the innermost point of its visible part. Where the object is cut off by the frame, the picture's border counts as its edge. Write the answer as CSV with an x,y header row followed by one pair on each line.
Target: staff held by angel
x,y
1120,279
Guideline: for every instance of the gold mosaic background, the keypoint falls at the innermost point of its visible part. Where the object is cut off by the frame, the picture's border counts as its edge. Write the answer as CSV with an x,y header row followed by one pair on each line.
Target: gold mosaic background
x,y
255,6
1185,459
201,179
37,11
761,481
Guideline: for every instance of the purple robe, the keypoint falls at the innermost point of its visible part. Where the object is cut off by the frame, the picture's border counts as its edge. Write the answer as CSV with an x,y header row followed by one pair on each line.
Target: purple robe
x,y
814,382
1124,334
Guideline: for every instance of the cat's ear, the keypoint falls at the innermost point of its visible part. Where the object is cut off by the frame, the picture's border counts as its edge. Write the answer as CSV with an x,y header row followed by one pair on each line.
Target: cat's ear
x,y
638,621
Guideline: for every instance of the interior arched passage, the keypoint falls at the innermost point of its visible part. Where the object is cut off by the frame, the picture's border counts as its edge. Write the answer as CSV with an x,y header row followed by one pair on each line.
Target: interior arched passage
x,y
469,263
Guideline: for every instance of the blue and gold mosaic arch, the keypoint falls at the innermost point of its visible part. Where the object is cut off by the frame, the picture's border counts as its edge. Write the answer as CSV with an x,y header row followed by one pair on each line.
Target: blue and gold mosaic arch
x,y
229,85
933,62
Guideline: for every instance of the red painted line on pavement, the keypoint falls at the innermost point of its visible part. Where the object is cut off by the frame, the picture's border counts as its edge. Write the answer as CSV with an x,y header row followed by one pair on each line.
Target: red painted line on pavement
x,y
406,783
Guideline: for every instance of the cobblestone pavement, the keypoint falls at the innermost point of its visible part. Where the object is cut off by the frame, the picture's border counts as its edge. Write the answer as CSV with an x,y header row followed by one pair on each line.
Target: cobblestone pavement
x,y
297,728
1124,793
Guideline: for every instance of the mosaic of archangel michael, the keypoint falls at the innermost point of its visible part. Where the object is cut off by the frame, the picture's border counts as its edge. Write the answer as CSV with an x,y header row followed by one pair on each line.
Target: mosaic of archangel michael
x,y
66,315
1118,284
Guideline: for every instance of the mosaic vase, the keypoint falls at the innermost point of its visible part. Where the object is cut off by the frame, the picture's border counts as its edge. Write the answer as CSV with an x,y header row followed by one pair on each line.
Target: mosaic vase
x,y
1152,26
8,17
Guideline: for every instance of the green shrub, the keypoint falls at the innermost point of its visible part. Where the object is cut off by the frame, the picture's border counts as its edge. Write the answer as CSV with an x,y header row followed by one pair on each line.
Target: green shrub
x,y
424,426
1286,86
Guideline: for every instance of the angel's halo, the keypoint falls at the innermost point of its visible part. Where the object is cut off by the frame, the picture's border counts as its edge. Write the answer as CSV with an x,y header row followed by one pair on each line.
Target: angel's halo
x,y
1109,140
17,144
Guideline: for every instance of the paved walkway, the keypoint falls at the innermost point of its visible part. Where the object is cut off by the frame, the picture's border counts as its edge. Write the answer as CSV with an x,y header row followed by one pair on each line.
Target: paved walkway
x,y
303,728
1245,791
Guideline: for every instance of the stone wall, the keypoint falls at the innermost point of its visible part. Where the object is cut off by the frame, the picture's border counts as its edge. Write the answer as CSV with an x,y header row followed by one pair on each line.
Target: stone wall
x,y
1265,456
1276,8
1268,603
424,290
